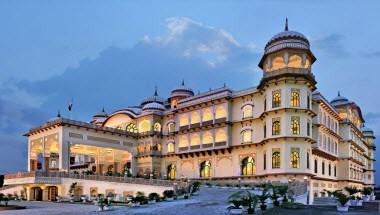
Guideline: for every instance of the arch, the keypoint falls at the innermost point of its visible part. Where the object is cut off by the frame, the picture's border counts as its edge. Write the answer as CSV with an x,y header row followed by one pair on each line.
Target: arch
x,y
220,135
246,136
248,166
207,115
295,158
144,126
131,127
207,137
278,63
295,124
170,147
276,159
220,112
183,120
195,139
295,98
183,141
223,167
195,117
171,172
52,193
276,127
157,127
171,127
205,169
36,193
117,120
247,111
276,98
295,61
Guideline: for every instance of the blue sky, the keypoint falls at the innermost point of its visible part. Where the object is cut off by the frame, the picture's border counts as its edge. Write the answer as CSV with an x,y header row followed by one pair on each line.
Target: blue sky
x,y
113,53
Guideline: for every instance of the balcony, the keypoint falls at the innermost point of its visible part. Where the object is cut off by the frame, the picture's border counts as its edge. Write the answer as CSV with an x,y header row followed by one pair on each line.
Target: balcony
x,y
289,70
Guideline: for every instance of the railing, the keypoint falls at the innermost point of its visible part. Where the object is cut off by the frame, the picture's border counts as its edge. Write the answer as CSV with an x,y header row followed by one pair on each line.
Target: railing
x,y
131,180
288,70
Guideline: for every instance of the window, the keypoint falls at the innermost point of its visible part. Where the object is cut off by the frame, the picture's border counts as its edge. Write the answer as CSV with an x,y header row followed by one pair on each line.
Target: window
x,y
295,61
265,160
195,139
157,127
183,120
220,112
247,111
276,163
315,166
295,124
248,166
276,98
170,147
265,131
247,136
335,170
295,98
265,104
171,127
295,158
171,172
220,136
323,167
144,126
207,115
205,169
183,141
132,128
307,160
207,138
195,118
308,128
276,126
329,169
308,101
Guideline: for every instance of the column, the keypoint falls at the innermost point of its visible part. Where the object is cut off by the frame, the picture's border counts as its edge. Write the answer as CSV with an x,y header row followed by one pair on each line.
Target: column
x,y
64,153
29,155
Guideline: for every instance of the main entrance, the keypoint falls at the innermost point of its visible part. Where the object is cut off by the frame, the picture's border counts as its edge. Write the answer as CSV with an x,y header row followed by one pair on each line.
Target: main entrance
x,y
36,193
52,193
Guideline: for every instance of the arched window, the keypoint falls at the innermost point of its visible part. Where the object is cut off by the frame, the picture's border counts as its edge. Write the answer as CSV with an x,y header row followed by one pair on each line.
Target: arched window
x,y
220,112
195,139
183,120
295,158
194,117
247,111
205,168
171,127
132,128
278,63
276,98
276,159
276,125
323,167
171,172
295,124
246,136
329,169
170,147
157,127
141,148
207,138
295,98
295,61
248,166
144,126
220,136
183,141
315,166
207,115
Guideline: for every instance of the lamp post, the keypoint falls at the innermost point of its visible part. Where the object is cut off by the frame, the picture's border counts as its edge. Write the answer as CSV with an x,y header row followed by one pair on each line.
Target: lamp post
x,y
239,180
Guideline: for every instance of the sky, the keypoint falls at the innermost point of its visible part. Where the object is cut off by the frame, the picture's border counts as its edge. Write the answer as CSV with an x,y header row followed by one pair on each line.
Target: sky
x,y
113,53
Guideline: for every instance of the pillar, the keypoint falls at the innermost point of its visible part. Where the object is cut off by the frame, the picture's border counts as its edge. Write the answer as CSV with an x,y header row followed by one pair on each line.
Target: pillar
x,y
64,153
28,194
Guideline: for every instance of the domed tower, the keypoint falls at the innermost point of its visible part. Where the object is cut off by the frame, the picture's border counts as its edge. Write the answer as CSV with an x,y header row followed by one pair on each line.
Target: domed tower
x,y
180,93
287,85
99,118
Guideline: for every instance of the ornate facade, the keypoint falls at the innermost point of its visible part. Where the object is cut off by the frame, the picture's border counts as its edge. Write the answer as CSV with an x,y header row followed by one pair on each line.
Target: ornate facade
x,y
282,130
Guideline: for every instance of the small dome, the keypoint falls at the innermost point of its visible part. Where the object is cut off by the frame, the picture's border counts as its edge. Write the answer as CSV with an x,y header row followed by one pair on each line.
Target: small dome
x,y
367,130
339,100
153,106
155,98
101,114
99,118
182,91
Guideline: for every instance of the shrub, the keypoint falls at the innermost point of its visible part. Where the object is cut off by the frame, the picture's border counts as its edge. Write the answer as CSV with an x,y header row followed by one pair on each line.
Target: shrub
x,y
154,196
195,186
367,191
168,193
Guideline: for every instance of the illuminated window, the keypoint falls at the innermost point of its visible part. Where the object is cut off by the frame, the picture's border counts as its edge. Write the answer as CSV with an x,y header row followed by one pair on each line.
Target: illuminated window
x,y
207,138
170,147
157,126
307,63
207,115
247,111
278,63
183,141
295,158
220,135
220,112
171,172
295,61
276,98
205,168
247,136
183,120
195,118
195,139
295,98
171,127
295,124
131,128
144,126
276,126
276,159
248,166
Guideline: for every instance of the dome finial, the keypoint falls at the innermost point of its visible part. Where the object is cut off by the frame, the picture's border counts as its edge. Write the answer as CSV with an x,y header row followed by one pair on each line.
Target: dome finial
x,y
286,24
103,110
183,82
155,91
338,92
59,114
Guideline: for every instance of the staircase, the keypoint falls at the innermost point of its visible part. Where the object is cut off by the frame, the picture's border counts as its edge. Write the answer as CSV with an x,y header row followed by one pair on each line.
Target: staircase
x,y
325,201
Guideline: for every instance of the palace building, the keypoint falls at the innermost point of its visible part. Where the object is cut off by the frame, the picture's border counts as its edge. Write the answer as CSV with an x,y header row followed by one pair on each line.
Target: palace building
x,y
282,130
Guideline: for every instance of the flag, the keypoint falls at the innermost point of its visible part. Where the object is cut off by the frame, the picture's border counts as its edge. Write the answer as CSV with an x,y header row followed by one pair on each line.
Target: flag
x,y
70,107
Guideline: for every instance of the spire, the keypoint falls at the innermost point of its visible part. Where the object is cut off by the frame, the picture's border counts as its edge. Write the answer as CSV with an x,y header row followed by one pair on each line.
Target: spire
x,y
103,110
155,91
286,24
59,114
183,82
338,93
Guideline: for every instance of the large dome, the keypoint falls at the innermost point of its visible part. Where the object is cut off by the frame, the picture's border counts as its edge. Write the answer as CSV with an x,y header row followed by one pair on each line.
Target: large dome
x,y
154,106
155,98
339,100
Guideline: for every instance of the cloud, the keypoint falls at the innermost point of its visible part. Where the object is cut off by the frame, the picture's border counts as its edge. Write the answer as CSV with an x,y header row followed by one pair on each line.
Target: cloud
x,y
332,45
205,56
